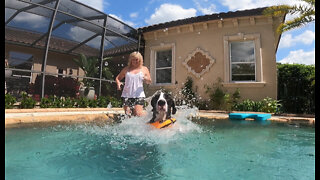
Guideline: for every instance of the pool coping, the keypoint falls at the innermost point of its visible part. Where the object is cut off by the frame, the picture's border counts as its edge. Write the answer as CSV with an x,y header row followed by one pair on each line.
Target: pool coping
x,y
17,117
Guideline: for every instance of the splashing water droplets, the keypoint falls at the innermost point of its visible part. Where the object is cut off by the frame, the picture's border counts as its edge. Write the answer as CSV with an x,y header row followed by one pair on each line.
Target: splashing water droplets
x,y
136,129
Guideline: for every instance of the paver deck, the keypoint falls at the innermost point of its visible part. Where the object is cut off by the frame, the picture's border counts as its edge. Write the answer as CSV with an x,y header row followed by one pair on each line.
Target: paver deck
x,y
16,117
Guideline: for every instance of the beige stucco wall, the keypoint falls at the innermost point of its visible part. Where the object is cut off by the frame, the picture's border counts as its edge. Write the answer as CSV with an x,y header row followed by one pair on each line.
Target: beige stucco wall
x,y
209,36
55,60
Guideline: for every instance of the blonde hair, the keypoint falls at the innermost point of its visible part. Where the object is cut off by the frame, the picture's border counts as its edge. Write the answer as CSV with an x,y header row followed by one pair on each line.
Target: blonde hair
x,y
134,55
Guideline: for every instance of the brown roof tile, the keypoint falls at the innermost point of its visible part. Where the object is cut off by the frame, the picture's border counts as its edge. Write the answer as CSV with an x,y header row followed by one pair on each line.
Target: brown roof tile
x,y
230,14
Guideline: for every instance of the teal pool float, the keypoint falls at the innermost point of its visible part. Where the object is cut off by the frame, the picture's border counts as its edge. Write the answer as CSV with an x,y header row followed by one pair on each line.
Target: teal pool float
x,y
242,116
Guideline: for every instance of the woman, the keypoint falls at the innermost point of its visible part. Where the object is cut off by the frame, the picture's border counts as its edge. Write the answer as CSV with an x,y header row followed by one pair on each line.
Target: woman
x,y
133,93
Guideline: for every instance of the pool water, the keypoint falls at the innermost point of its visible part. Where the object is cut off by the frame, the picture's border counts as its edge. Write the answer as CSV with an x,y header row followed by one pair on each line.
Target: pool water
x,y
190,149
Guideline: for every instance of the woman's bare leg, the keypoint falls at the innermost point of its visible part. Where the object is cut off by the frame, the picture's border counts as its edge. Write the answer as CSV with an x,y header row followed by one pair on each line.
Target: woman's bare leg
x,y
138,110
127,110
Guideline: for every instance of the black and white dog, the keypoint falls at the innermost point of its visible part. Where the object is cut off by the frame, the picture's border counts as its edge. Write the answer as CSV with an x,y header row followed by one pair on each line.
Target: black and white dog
x,y
162,104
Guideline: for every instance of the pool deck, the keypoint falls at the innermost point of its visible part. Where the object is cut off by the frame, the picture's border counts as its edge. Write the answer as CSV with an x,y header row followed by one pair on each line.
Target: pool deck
x,y
16,117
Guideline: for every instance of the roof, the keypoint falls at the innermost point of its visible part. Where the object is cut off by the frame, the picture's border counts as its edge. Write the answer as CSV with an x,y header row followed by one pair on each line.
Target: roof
x,y
223,15
19,36
78,26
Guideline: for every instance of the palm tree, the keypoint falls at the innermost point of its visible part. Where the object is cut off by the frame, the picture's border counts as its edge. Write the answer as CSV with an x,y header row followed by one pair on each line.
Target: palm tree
x,y
306,14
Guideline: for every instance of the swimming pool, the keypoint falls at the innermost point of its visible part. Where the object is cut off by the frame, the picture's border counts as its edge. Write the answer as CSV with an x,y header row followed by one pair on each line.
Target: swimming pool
x,y
197,149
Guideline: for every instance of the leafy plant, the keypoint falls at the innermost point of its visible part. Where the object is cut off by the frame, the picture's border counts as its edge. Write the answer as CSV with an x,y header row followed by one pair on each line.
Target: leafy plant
x,y
103,101
68,102
57,102
82,102
296,88
115,102
187,92
270,105
306,14
266,105
9,101
219,98
27,102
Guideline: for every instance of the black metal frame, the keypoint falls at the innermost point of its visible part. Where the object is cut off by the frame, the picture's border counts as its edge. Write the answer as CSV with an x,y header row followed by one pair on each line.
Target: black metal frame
x,y
136,39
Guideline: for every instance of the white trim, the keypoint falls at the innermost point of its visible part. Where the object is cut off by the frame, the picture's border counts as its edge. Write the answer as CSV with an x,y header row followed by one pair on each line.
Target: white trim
x,y
153,51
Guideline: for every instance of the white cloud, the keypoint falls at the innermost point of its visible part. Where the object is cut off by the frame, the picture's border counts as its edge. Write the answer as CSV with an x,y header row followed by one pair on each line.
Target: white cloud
x,y
35,21
205,8
97,4
79,34
305,38
251,4
119,18
134,15
299,57
170,12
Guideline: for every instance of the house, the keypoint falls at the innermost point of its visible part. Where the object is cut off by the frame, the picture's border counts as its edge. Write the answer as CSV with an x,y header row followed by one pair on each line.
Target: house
x,y
237,47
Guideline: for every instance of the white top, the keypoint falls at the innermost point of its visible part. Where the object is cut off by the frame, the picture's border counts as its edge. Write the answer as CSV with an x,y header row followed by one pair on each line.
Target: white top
x,y
133,87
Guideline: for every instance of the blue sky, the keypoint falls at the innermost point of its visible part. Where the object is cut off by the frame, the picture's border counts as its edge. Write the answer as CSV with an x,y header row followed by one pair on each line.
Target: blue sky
x,y
296,46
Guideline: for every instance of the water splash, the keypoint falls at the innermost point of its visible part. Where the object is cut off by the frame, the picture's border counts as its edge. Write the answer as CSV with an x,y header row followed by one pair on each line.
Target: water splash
x,y
136,130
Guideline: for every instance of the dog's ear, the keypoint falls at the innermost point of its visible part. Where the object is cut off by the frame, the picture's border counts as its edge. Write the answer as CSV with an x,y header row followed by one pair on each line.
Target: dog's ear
x,y
172,104
154,101
174,110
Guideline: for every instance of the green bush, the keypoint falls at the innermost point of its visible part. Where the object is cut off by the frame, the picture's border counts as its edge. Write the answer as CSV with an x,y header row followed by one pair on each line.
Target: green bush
x,y
9,101
82,102
27,102
220,99
188,94
266,105
115,102
103,101
296,88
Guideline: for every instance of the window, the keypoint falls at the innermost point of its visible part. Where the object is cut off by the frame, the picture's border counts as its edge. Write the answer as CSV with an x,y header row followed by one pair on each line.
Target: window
x,y
242,61
162,64
22,61
61,71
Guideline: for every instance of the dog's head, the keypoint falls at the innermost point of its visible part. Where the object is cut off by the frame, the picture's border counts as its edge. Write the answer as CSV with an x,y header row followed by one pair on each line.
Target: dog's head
x,y
163,102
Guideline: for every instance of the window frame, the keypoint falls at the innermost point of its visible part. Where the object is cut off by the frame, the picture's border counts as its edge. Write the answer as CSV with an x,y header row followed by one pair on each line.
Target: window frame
x,y
153,58
21,53
255,37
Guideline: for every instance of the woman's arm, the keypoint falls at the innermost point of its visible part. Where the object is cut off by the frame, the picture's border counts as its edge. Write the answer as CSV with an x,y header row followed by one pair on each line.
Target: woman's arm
x,y
120,76
147,77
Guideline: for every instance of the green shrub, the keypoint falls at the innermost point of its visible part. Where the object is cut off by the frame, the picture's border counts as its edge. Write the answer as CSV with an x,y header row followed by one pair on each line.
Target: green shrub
x,y
115,102
220,99
9,101
52,102
68,102
27,102
296,88
266,105
188,94
82,102
103,101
